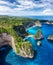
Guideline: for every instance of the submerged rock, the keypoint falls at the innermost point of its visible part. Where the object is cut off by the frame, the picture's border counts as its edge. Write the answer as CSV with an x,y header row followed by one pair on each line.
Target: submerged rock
x,y
50,37
38,35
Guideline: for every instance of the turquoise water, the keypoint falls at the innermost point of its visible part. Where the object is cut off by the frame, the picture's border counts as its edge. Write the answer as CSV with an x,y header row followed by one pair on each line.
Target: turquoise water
x,y
32,30
45,52
43,55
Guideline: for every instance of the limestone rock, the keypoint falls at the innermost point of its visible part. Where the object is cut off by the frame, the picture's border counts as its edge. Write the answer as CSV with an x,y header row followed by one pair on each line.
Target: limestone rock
x,y
38,35
6,39
25,50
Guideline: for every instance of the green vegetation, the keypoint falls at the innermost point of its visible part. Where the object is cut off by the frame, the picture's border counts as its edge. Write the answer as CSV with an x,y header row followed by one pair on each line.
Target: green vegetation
x,y
38,34
6,25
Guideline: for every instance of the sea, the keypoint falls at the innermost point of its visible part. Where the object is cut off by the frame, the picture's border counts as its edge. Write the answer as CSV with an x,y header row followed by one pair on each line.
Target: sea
x,y
43,55
41,17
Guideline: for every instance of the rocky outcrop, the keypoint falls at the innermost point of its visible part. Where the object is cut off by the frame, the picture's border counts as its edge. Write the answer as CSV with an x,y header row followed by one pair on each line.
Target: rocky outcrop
x,y
49,22
50,37
38,35
39,43
38,23
26,50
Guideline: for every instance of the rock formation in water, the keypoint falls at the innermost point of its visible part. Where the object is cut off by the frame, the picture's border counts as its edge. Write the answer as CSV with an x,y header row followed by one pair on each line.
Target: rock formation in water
x,y
39,43
38,35
49,22
50,37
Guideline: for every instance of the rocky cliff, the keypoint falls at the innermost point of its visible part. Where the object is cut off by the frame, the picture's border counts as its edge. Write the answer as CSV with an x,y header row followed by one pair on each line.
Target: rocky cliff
x,y
25,49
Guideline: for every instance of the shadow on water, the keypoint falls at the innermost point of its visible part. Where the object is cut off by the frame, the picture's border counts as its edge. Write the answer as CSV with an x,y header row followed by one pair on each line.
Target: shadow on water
x,y
4,50
50,41
35,54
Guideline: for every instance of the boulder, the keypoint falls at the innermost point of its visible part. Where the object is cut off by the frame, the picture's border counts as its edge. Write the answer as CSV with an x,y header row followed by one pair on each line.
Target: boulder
x,y
39,43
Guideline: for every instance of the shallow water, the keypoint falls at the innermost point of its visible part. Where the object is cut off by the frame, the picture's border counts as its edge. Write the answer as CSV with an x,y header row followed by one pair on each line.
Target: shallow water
x,y
44,55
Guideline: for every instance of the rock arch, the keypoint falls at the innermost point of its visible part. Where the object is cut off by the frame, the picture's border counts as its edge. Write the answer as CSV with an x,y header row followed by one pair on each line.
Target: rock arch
x,y
7,39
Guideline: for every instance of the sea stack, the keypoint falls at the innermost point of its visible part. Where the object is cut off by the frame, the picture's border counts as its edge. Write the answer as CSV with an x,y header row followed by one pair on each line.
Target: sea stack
x,y
38,43
50,37
38,35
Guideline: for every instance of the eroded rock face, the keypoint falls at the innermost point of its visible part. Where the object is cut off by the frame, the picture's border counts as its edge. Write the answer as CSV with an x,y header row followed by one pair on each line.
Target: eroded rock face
x,y
6,39
26,50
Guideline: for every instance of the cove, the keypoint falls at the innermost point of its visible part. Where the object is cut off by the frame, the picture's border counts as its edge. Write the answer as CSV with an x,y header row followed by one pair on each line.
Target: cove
x,y
43,55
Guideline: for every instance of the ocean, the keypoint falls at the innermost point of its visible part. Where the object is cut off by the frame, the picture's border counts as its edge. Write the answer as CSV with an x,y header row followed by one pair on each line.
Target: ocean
x,y
41,17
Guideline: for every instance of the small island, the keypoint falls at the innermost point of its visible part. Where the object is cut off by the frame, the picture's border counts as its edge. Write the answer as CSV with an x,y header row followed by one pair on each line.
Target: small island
x,y
50,38
49,22
38,35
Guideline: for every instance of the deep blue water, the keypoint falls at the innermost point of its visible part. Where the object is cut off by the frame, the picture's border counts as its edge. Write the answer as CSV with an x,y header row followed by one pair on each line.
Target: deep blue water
x,y
32,30
47,17
42,17
44,55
